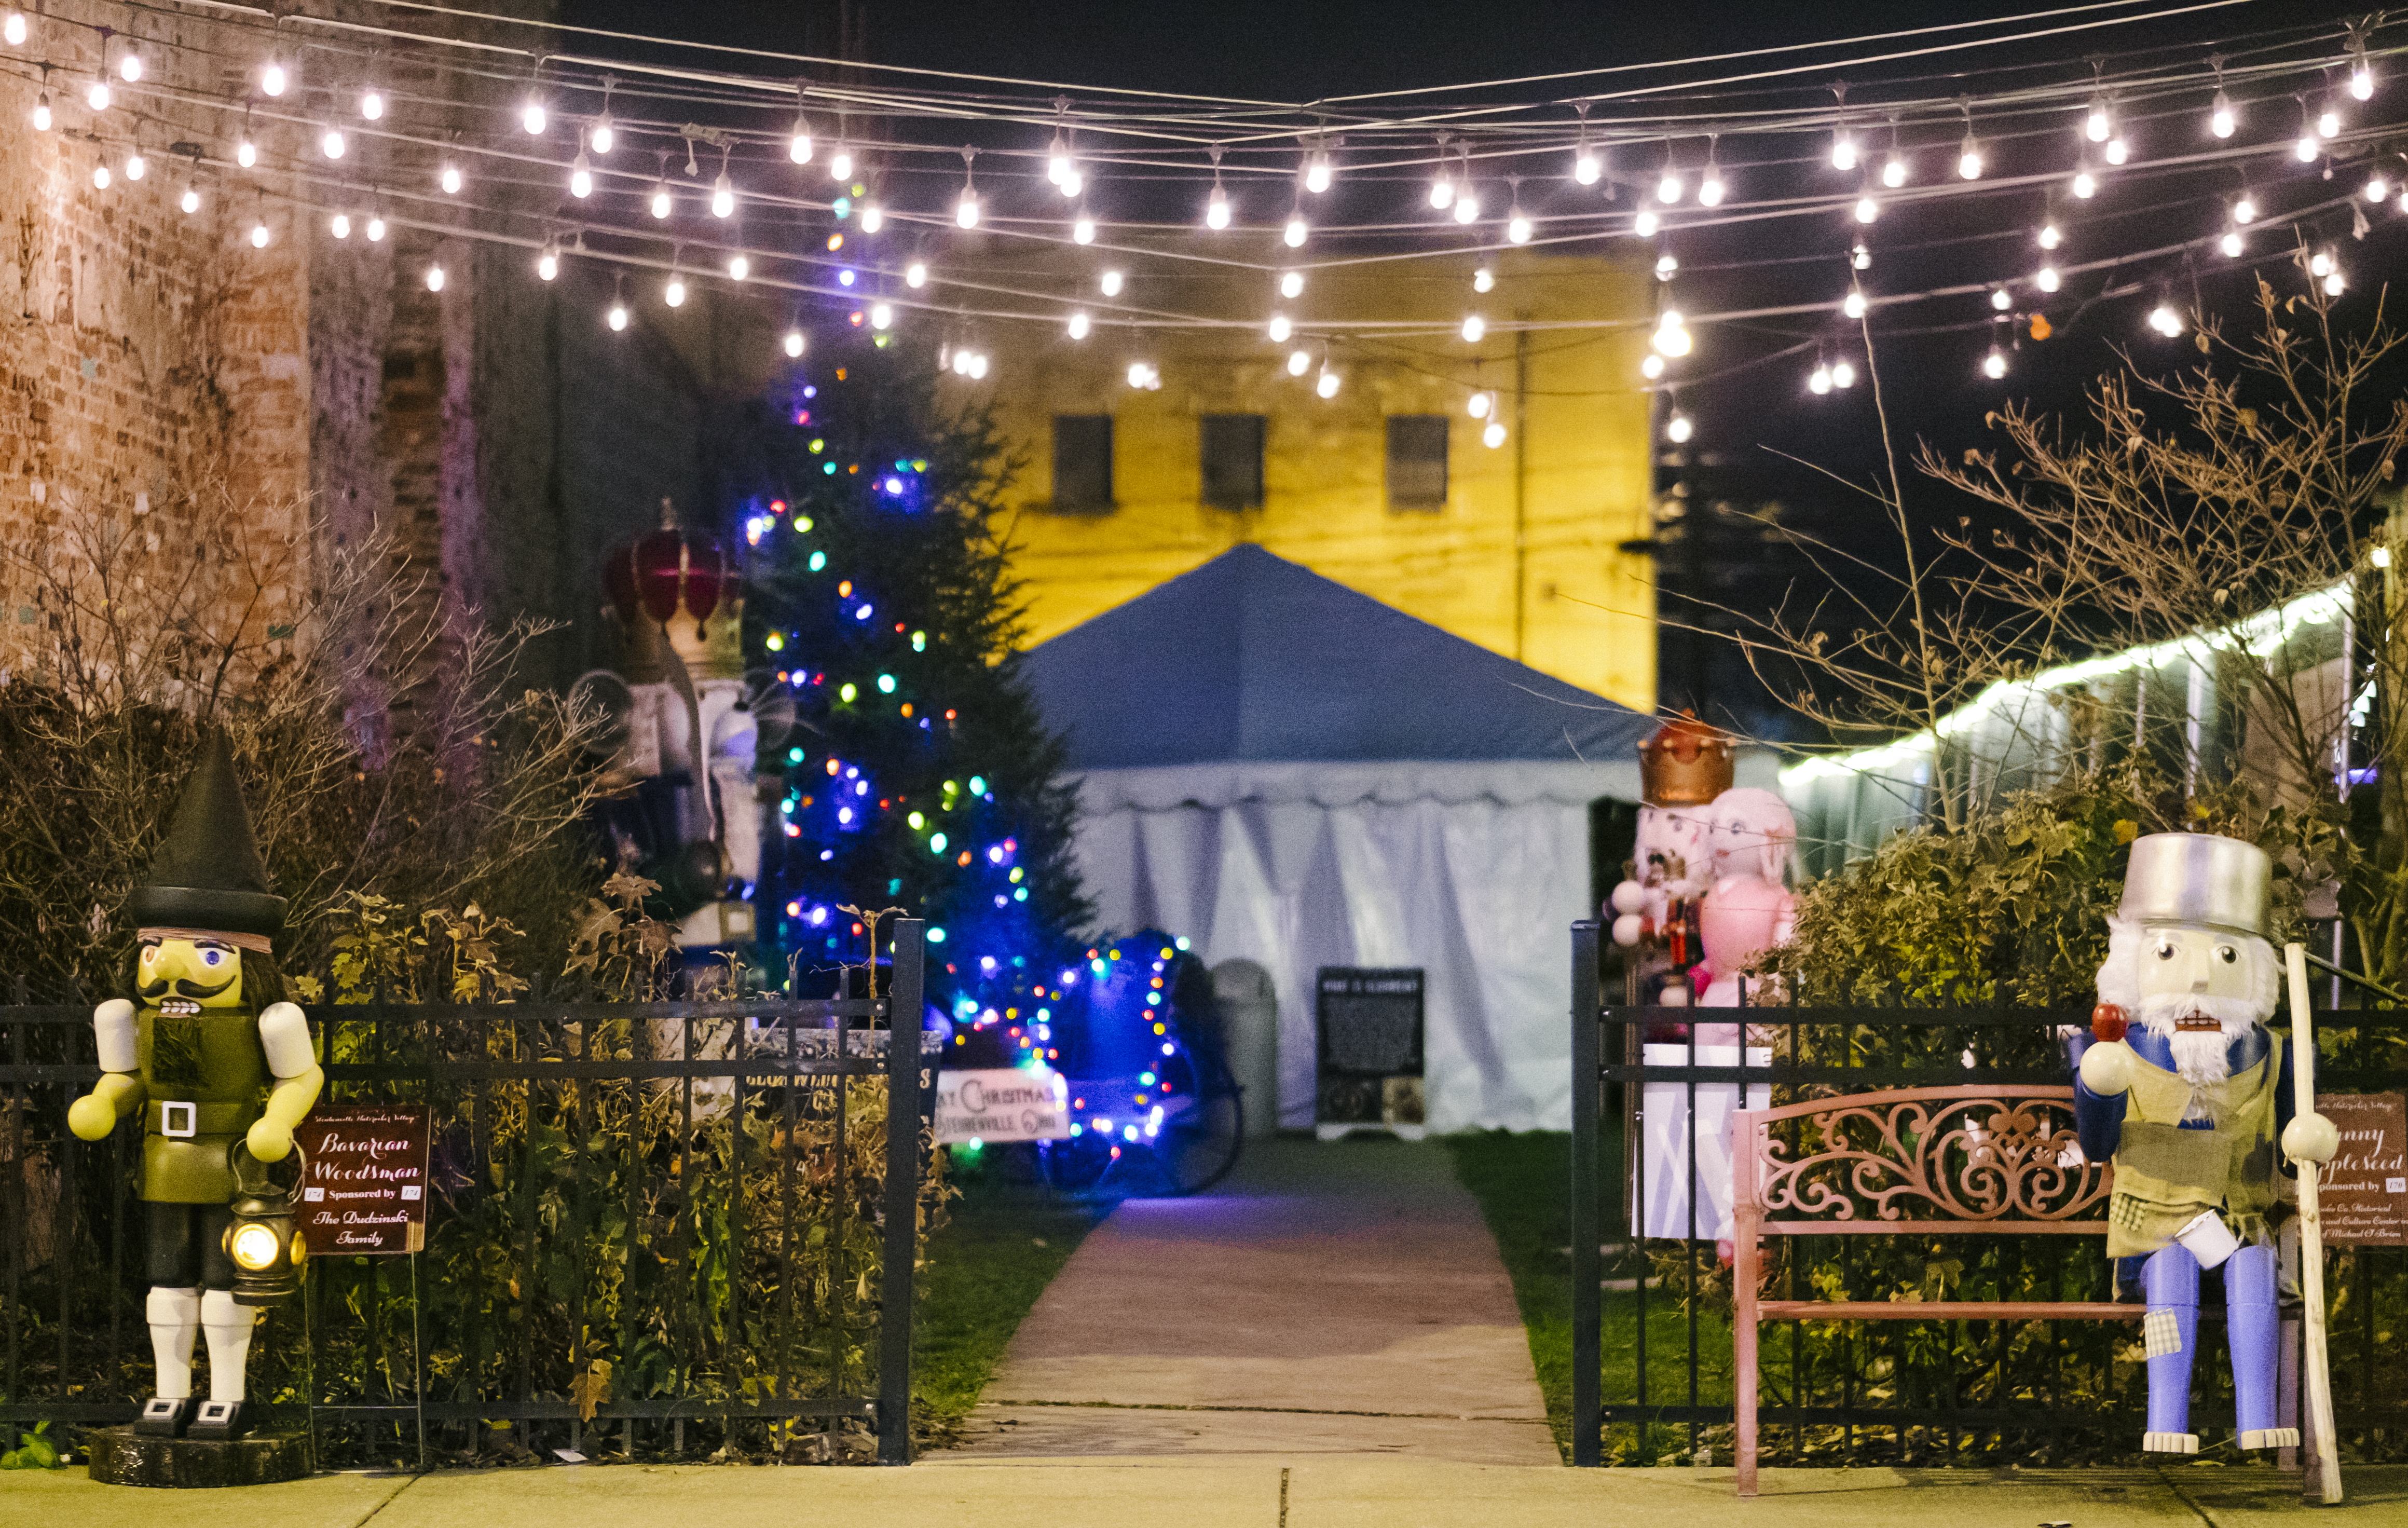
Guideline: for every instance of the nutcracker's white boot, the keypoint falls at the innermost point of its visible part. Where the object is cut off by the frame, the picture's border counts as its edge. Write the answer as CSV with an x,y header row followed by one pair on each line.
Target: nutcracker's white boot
x,y
175,1317
228,1326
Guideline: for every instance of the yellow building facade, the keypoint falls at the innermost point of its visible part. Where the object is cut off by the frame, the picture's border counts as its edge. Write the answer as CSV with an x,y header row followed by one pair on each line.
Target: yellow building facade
x,y
1516,547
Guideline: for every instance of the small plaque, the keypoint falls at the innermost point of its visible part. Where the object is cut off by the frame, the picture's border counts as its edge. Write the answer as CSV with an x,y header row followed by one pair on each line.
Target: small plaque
x,y
367,1188
2362,1193
1369,1022
1001,1104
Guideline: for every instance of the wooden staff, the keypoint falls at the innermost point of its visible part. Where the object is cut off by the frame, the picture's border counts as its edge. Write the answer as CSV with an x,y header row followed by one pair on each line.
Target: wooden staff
x,y
2322,1479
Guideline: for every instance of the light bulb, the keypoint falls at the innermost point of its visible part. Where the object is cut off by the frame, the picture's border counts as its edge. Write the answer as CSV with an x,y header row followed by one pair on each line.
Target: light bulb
x,y
2001,300
1894,172
1854,304
1317,172
798,142
1442,191
129,68
533,116
376,228
547,265
1473,327
977,366
272,78
2098,124
1478,406
2361,80
1669,188
1711,190
135,165
1467,206
965,211
674,294
1517,227
840,163
581,176
1294,231
372,104
2328,121
723,197
246,153
1111,282
101,178
1678,430
618,315
1819,381
1650,366
605,136
190,201
1057,159
739,266
2085,186
258,234
2319,262
1673,339
340,225
2050,235
2220,120
1995,365
1216,208
2334,284
662,201
1140,374
1665,264
795,342
1328,384
915,275
881,315
1078,326
2163,319
97,98
42,113
1296,362
1844,150
2231,244
2245,210
873,217
1844,374
332,144
1585,169
2305,150
1494,436
435,278
1968,160
1484,280
1279,329
2045,278
1291,283
1861,257
1867,208
2118,151
1082,229
13,29
2377,188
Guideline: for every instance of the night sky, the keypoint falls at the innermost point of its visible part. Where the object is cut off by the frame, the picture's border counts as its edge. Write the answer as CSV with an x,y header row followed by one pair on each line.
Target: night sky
x,y
1756,413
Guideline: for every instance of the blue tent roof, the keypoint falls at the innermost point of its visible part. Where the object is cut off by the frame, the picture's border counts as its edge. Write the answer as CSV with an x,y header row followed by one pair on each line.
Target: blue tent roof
x,y
1251,658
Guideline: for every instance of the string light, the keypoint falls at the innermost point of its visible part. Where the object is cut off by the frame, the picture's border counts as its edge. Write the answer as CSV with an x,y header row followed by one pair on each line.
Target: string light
x,y
1110,284
1294,233
129,68
1968,155
873,215
915,275
98,97
1646,224
795,342
1474,326
2220,120
1291,283
2000,299
1678,430
1894,169
2245,210
1867,208
1669,185
2328,120
2098,122
2085,184
1479,404
1853,304
101,178
739,267
1650,366
1143,376
1667,264
547,265
42,113
533,116
1844,150
2118,151
2377,188
273,77
450,179
435,278
2163,319
1586,167
605,136
1279,329
1083,228
1484,280
882,316
840,161
2362,74
1819,381
190,200
1467,200
1861,257
966,207
245,152
1326,383
258,232
723,191
1494,436
674,294
1518,224
1318,172
1298,361
2231,243
2307,149
135,165
2046,278
372,104
1673,337
581,174
1442,191
1844,375
376,227
2051,235
1994,365
663,201
332,144
617,317
13,29
1216,205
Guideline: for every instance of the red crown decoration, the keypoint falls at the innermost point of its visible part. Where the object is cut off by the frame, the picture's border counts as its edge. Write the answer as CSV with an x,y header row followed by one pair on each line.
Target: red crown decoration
x,y
673,580
1684,762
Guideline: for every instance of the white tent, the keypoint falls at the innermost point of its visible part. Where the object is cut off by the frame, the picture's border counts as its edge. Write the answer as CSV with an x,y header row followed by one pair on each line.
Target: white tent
x,y
1290,772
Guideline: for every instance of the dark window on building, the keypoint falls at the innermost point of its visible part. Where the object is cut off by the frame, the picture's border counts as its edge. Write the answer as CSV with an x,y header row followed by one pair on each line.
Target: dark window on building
x,y
1082,463
1233,461
1417,461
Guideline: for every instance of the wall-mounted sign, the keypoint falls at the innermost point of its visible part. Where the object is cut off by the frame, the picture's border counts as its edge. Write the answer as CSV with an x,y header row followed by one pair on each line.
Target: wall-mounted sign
x,y
366,1189
1002,1103
2362,1196
1369,1023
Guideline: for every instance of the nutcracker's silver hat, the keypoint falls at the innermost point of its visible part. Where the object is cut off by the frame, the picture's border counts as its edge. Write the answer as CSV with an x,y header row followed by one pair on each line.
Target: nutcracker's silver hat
x,y
2199,878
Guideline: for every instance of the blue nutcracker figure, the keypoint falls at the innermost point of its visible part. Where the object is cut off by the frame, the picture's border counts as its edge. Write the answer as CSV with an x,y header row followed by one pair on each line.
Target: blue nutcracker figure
x,y
2189,1093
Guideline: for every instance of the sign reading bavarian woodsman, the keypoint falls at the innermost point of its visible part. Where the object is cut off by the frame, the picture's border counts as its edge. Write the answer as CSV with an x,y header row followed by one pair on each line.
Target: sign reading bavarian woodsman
x,y
366,1191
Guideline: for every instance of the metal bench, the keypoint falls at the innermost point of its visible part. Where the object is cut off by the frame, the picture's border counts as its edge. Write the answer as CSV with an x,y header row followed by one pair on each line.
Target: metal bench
x,y
1908,1162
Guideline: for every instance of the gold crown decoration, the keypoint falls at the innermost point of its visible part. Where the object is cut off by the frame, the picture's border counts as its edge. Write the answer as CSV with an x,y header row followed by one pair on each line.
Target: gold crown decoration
x,y
1684,762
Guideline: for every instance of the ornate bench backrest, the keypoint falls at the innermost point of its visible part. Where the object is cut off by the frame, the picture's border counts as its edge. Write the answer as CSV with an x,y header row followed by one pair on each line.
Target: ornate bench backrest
x,y
1996,1158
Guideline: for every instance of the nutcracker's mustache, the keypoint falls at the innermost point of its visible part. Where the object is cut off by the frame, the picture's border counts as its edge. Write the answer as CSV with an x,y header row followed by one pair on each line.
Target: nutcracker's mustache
x,y
183,988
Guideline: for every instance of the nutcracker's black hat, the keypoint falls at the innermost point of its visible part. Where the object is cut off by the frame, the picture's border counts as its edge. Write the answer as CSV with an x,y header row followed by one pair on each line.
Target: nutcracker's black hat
x,y
209,875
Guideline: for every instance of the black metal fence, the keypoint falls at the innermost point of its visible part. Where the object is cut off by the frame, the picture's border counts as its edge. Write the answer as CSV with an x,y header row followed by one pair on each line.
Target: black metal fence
x,y
1651,1338
657,1229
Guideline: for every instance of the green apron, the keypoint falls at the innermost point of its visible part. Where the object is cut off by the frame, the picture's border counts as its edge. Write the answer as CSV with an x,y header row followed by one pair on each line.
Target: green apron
x,y
204,1082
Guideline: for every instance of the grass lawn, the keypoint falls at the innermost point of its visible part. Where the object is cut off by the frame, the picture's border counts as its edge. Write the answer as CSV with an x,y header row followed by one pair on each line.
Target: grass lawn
x,y
1002,1244
1524,1186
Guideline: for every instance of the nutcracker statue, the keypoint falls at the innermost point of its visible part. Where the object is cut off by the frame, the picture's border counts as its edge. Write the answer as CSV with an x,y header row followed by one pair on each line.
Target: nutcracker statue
x,y
219,1070
1654,912
2185,1088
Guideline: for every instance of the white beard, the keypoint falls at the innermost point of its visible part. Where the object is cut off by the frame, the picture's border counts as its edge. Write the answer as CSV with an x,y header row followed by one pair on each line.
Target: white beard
x,y
2199,1057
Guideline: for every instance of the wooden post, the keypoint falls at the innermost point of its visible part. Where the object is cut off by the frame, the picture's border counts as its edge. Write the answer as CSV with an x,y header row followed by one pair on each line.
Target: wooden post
x,y
2321,1479
1745,1211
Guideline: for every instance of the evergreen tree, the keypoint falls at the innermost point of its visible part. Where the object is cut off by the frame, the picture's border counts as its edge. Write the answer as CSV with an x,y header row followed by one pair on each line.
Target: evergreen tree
x,y
919,774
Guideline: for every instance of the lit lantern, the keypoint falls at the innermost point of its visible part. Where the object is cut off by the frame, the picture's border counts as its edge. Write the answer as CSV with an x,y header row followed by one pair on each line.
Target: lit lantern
x,y
263,1241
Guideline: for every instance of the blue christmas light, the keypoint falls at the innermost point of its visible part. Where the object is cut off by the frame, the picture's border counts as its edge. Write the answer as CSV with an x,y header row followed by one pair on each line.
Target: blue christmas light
x,y
819,560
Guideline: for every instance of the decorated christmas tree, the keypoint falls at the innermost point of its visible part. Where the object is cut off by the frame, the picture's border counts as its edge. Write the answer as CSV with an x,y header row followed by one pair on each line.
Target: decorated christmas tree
x,y
918,774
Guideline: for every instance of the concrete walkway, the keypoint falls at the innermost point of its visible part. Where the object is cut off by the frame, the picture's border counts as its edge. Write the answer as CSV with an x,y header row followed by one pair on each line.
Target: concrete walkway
x,y
1339,1299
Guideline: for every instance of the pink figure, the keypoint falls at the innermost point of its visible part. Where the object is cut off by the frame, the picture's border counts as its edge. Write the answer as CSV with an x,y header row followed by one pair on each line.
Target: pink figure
x,y
1750,835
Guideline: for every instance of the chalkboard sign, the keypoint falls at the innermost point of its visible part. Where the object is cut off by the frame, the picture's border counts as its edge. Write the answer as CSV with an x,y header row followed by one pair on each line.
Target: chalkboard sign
x,y
365,1188
1369,1023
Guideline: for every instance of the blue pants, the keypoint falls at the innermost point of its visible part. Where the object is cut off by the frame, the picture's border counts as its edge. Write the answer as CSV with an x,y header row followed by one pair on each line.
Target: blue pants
x,y
2170,1281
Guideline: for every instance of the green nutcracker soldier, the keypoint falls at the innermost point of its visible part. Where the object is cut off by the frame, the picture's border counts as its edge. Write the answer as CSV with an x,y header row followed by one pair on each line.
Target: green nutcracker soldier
x,y
220,1068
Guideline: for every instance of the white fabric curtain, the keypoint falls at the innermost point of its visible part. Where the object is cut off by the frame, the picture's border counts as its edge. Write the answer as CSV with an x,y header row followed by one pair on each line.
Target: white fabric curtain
x,y
1471,871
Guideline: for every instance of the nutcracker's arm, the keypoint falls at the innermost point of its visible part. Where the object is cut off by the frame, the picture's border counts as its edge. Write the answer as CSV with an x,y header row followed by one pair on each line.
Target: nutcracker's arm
x,y
284,1034
119,1090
